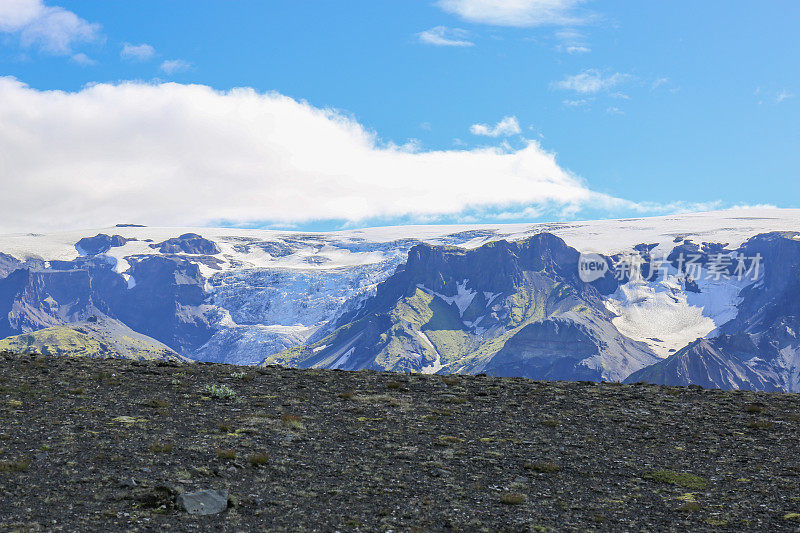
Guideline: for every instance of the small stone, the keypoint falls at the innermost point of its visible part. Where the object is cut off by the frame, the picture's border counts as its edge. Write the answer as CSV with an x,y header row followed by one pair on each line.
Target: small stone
x,y
204,502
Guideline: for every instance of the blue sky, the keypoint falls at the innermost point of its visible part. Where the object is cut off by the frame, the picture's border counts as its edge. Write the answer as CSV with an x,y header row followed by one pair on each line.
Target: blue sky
x,y
663,106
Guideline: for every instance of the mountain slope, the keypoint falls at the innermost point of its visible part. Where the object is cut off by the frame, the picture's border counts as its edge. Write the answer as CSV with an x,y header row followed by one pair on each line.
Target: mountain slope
x,y
760,348
96,337
237,295
504,308
706,363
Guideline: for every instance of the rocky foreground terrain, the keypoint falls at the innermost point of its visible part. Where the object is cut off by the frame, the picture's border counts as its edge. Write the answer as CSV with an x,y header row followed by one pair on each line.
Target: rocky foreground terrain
x,y
114,445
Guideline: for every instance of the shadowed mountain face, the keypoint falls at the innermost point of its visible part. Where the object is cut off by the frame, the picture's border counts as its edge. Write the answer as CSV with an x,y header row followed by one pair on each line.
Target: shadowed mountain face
x,y
776,295
710,363
504,308
99,244
188,243
8,264
35,299
164,300
759,349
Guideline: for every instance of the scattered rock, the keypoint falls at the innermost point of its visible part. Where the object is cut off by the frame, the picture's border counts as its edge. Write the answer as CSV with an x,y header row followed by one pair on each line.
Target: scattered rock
x,y
616,457
204,502
154,497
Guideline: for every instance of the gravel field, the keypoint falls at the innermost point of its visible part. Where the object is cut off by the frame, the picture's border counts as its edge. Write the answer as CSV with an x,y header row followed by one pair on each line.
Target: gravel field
x,y
113,445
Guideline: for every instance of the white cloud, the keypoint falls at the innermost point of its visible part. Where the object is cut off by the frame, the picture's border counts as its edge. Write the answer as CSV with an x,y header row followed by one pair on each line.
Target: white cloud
x,y
53,29
518,13
576,103
569,34
765,95
442,36
175,154
172,66
591,81
572,41
754,206
505,128
525,213
83,60
782,95
577,49
137,52
658,83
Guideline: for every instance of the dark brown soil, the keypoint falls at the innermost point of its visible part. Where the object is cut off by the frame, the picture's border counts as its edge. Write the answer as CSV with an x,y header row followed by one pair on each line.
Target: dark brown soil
x,y
107,445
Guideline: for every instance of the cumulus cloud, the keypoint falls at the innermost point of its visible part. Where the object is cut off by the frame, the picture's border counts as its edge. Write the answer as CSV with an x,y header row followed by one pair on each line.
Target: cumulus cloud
x,y
137,52
52,29
517,13
443,36
175,154
172,66
505,128
591,81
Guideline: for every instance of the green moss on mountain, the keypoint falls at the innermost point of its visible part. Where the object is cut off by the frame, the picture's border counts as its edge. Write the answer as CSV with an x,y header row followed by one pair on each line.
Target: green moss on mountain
x,y
101,337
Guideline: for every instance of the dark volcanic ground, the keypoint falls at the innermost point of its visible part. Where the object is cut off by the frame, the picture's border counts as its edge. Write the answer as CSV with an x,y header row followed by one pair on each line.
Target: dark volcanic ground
x,y
109,445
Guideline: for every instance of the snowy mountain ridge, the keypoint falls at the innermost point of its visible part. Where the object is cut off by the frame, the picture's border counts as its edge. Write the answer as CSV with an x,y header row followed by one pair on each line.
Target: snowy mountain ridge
x,y
253,248
242,294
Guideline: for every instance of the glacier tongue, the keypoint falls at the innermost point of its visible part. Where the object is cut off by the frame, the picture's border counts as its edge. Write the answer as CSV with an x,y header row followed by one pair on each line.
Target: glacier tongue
x,y
666,317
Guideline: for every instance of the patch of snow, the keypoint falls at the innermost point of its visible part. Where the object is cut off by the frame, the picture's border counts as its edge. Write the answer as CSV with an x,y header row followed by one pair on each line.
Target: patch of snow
x,y
463,298
437,364
653,314
320,348
490,296
718,299
426,339
433,368
226,320
341,361
667,318
472,324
